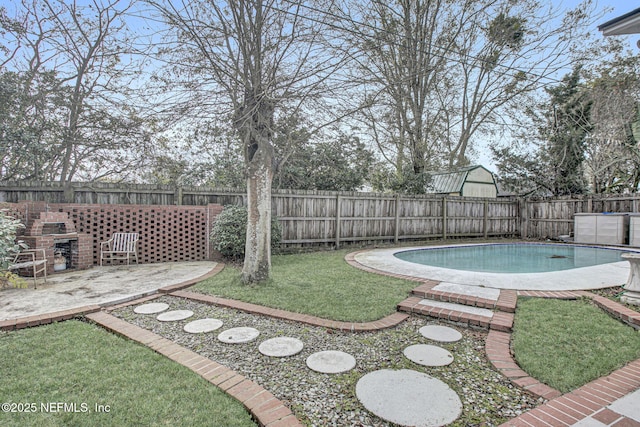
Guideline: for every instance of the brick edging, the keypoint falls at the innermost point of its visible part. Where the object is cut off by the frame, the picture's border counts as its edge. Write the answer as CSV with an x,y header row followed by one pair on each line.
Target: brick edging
x,y
268,410
498,350
178,291
46,318
386,322
569,408
617,310
583,402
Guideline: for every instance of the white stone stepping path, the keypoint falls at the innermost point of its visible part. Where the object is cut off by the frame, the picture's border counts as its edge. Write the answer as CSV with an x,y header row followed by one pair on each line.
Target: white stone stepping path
x,y
239,335
331,362
175,315
202,326
440,333
408,398
281,347
151,308
428,355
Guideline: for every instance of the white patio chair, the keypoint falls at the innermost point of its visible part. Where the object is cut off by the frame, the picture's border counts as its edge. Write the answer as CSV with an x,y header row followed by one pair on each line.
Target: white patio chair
x,y
123,246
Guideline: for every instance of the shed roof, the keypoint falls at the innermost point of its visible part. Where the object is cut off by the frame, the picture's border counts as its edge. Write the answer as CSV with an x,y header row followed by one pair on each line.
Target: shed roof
x,y
451,182
629,23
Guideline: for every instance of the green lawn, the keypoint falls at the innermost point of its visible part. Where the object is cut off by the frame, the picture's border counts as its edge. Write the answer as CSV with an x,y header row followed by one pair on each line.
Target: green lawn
x,y
320,284
82,366
566,344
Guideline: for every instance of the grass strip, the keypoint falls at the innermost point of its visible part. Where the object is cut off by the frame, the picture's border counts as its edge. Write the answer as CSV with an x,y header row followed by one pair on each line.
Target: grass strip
x,y
566,344
319,284
73,373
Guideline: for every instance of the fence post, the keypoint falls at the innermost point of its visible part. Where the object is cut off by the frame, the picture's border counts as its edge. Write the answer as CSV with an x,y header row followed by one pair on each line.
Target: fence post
x,y
485,224
177,195
524,220
69,193
397,220
444,218
338,221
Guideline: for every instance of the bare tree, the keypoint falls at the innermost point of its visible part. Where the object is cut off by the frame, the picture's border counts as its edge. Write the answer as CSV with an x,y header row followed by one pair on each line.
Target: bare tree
x,y
251,60
84,55
437,74
398,48
511,50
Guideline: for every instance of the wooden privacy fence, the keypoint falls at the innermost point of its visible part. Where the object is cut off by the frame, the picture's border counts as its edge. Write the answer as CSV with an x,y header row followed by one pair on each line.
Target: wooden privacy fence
x,y
341,217
310,217
544,218
334,218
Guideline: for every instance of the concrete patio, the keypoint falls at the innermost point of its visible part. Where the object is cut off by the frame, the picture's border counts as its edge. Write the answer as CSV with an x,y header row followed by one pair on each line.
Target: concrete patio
x,y
101,286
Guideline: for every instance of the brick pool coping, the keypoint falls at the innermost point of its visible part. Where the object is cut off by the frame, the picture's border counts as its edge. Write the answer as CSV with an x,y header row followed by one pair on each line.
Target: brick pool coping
x,y
591,399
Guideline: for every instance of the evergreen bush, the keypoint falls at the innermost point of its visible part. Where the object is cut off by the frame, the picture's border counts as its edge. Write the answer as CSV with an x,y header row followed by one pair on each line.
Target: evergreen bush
x,y
229,233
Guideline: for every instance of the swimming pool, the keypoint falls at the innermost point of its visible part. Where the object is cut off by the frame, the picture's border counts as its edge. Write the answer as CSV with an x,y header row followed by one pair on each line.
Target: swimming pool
x,y
513,257
577,276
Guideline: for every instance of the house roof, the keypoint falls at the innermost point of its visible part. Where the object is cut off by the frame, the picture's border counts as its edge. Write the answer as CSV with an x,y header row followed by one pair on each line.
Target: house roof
x,y
629,23
451,182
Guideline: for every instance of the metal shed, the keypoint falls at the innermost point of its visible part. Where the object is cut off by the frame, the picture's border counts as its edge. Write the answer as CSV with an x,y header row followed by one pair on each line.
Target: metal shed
x,y
471,181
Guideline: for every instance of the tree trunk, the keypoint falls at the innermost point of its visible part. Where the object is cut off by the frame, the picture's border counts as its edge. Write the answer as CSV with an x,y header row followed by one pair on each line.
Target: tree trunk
x,y
257,261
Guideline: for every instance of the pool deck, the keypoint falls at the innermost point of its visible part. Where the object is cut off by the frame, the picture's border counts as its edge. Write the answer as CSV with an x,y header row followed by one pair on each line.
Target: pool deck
x,y
585,278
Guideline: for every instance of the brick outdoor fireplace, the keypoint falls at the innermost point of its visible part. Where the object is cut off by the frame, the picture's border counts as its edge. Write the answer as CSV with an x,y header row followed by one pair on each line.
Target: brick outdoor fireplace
x,y
56,233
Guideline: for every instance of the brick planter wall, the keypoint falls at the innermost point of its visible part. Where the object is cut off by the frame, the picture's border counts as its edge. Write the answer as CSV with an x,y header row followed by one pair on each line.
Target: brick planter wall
x,y
167,233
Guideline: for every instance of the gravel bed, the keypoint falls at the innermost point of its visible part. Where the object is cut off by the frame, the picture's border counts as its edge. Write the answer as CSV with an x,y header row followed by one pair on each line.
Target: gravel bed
x,y
488,398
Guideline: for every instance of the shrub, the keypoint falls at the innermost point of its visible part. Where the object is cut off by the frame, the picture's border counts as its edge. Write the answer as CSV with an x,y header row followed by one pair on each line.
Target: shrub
x,y
229,232
9,248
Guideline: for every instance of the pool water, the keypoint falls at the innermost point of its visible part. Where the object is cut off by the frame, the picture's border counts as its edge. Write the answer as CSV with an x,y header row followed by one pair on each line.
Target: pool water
x,y
513,258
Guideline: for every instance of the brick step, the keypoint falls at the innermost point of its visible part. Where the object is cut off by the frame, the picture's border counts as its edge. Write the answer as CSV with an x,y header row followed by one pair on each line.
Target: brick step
x,y
492,299
472,316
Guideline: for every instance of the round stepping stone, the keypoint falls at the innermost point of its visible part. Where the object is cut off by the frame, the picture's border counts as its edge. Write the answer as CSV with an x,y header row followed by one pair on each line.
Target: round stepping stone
x,y
428,355
408,398
440,333
151,308
175,315
239,335
331,362
202,326
281,347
